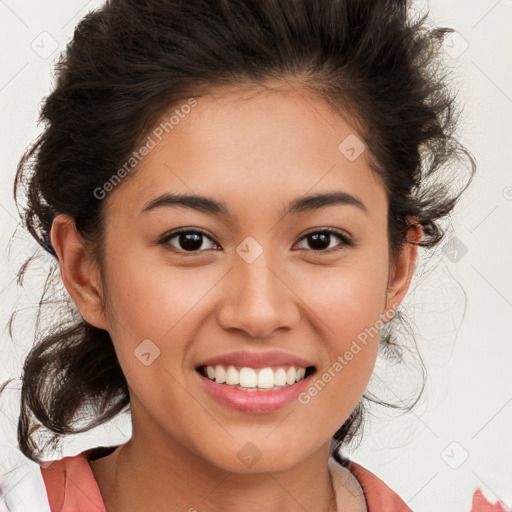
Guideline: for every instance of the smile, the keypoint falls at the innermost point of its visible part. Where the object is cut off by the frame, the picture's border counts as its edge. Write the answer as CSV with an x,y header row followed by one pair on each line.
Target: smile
x,y
255,379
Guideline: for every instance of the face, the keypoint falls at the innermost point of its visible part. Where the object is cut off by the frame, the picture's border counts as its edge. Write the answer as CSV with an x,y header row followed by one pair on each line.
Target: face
x,y
186,285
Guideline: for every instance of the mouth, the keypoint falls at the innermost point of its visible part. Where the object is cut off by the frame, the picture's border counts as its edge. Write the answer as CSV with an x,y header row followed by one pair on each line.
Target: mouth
x,y
245,378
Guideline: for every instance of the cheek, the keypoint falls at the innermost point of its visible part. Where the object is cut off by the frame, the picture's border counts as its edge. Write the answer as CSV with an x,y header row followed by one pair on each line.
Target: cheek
x,y
352,341
350,304
148,298
349,297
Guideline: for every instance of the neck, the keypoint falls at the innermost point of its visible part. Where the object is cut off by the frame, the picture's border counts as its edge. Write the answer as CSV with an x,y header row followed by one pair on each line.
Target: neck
x,y
144,474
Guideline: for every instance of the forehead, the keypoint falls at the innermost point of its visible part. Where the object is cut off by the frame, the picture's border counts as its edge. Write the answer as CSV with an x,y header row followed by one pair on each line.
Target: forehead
x,y
252,147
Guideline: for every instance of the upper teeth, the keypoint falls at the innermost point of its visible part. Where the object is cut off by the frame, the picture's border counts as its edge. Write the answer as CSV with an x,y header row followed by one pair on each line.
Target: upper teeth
x,y
262,378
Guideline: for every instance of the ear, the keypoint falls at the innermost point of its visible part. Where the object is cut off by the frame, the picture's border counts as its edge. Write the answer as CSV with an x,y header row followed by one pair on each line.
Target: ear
x,y
402,267
78,270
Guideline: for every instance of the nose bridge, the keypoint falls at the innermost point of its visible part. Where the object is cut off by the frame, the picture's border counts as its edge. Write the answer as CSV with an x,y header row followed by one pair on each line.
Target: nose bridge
x,y
258,281
258,301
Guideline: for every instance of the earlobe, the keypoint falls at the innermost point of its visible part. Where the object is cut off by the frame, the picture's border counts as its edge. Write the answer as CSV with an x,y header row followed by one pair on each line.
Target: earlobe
x,y
403,266
78,270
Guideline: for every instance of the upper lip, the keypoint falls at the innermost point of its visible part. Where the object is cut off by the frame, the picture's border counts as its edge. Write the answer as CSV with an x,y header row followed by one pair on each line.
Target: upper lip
x,y
257,359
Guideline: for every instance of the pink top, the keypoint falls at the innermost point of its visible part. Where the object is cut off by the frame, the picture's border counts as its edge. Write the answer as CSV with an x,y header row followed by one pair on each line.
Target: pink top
x,y
71,487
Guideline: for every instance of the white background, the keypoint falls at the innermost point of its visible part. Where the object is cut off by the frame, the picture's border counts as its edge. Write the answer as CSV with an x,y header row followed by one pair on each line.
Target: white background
x,y
461,305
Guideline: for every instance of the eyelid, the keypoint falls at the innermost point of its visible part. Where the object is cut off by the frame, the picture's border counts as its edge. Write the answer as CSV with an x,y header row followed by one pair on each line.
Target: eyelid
x,y
341,233
171,234
346,240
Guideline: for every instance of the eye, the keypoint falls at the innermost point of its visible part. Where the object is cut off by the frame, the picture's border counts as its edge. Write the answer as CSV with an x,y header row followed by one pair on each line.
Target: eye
x,y
187,240
192,240
320,240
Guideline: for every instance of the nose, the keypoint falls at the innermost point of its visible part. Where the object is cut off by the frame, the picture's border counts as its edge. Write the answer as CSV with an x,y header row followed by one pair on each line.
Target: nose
x,y
257,299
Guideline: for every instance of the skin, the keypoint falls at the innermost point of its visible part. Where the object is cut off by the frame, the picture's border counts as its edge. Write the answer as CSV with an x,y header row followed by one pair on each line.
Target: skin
x,y
183,451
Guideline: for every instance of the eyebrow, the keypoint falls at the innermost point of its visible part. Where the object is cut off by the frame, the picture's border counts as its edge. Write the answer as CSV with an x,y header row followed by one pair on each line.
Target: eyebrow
x,y
211,206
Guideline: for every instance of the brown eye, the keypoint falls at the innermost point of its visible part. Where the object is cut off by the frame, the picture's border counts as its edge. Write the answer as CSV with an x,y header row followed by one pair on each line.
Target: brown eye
x,y
187,241
324,240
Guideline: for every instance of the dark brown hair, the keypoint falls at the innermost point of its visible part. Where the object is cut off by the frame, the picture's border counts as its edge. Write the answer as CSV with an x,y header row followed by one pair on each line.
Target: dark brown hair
x,y
130,61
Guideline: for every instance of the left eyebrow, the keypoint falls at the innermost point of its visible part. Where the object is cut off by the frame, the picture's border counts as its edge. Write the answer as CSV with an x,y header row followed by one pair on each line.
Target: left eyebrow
x,y
211,206
316,201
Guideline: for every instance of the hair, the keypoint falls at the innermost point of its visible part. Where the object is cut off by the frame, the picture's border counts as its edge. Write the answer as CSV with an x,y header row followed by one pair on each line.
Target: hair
x,y
131,61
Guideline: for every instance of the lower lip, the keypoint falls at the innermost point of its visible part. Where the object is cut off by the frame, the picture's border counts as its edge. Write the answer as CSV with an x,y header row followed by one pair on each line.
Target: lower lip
x,y
254,401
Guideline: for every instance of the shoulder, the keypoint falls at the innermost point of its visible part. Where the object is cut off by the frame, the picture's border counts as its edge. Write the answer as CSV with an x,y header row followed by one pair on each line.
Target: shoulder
x,y
379,496
480,504
70,483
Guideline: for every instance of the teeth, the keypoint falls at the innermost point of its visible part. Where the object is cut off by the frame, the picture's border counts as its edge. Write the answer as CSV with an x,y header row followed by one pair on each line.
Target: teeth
x,y
220,374
265,378
248,378
232,376
255,379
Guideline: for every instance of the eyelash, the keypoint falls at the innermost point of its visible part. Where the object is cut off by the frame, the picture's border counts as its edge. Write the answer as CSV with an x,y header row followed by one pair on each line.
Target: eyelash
x,y
346,242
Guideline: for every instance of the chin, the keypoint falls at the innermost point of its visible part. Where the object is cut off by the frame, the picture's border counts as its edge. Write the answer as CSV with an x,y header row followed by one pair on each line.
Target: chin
x,y
258,456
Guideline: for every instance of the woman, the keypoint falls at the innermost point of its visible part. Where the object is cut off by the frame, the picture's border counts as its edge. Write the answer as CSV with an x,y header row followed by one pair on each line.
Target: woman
x,y
235,193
